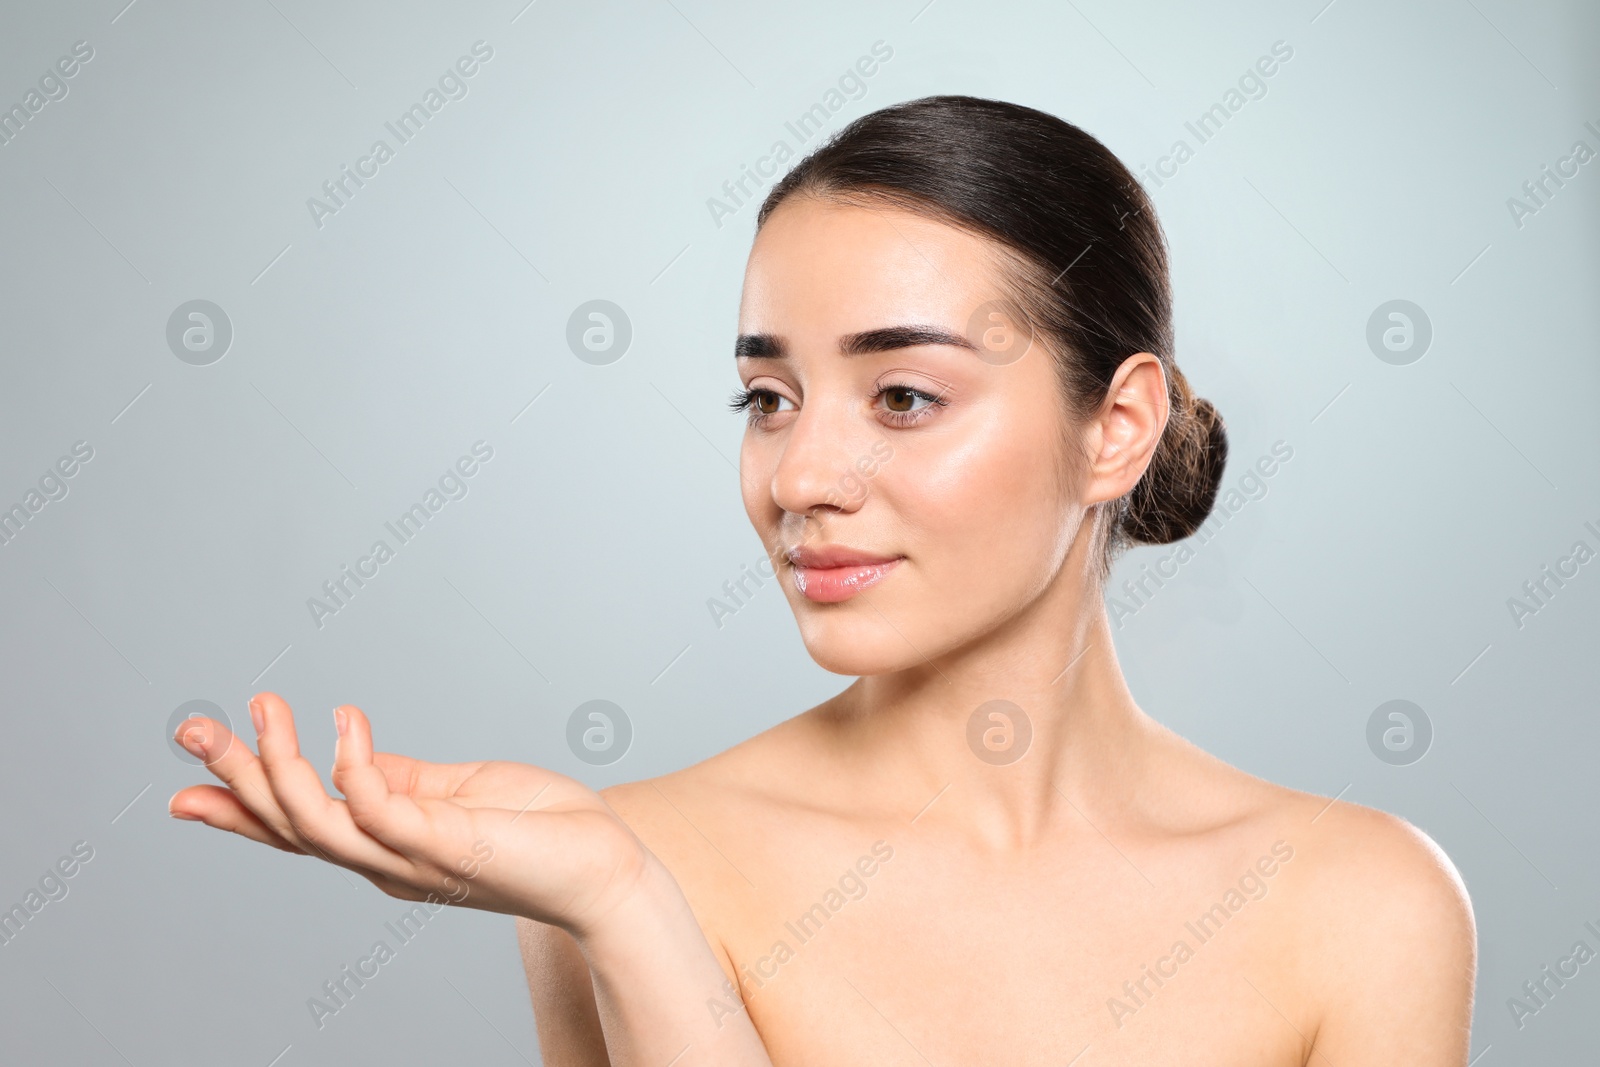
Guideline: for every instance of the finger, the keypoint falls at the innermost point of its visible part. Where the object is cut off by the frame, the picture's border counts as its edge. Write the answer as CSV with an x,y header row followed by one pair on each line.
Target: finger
x,y
244,773
202,737
219,808
317,821
295,785
231,760
390,815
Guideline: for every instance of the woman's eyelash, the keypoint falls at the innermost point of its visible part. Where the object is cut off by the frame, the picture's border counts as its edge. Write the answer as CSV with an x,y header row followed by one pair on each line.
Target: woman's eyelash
x,y
741,400
749,400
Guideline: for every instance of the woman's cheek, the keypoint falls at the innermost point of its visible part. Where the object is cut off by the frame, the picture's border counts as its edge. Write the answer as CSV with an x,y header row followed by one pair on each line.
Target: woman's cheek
x,y
987,505
983,475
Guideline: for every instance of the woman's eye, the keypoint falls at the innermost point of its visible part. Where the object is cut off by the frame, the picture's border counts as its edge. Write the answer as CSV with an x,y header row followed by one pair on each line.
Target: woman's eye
x,y
903,403
901,398
757,403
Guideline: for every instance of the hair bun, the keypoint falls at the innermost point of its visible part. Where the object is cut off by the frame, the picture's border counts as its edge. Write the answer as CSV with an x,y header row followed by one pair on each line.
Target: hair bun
x,y
1180,486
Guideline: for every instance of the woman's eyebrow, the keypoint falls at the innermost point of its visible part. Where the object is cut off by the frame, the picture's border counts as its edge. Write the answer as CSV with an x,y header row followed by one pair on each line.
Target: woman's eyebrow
x,y
885,339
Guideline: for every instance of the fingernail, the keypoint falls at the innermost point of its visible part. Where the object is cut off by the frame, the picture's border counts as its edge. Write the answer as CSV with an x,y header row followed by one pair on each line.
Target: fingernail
x,y
184,815
256,718
340,720
194,739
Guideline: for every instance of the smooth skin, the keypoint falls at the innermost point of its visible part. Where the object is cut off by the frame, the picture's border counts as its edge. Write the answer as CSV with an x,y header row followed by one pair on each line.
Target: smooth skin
x,y
961,910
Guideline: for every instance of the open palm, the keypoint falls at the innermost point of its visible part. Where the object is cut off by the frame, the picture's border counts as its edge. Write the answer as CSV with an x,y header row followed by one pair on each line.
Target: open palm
x,y
496,835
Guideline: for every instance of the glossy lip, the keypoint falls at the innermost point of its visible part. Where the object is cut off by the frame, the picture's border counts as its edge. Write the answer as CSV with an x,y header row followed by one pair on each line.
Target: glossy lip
x,y
827,556
828,574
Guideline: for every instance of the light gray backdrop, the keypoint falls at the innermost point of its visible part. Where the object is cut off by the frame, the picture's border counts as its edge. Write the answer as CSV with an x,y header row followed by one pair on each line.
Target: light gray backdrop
x,y
351,353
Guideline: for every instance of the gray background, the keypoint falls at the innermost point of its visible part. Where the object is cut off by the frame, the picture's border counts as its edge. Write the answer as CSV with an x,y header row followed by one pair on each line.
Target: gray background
x,y
368,354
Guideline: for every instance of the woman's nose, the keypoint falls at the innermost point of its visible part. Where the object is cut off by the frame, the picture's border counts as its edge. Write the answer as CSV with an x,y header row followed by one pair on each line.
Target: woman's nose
x,y
818,467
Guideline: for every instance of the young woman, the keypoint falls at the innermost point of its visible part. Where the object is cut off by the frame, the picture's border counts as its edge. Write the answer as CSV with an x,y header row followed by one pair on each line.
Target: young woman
x,y
955,345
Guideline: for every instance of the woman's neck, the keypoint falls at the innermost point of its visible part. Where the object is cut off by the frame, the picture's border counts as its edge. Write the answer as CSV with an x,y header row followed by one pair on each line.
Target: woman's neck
x,y
1026,728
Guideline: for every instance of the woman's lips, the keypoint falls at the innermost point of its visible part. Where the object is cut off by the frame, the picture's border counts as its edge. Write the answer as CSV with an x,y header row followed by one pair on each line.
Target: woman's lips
x,y
827,577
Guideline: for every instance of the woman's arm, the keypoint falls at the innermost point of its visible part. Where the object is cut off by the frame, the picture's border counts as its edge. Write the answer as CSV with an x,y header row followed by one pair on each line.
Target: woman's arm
x,y
570,1033
658,987
565,1008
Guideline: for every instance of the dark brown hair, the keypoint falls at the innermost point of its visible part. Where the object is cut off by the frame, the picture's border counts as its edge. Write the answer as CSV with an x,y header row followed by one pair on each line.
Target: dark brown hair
x,y
1090,271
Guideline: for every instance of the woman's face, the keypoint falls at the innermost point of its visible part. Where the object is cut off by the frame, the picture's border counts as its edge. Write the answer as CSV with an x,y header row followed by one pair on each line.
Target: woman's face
x,y
906,460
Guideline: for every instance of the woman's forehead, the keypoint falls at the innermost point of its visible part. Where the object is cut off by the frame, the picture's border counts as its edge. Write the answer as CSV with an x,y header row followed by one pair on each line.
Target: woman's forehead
x,y
844,268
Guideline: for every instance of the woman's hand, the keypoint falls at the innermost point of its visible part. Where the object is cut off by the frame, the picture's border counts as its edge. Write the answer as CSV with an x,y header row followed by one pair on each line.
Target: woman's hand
x,y
495,835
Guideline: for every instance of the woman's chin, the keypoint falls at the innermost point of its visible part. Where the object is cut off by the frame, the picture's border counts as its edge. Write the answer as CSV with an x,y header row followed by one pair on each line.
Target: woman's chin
x,y
857,645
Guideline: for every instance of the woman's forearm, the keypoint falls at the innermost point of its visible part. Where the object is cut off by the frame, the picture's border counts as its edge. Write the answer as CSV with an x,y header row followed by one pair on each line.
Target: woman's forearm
x,y
663,997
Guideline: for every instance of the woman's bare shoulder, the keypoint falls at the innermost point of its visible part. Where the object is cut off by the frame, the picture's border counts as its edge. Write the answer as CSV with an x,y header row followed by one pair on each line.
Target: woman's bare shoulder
x,y
1387,944
693,818
742,772
1382,884
1344,844
1361,879
1356,860
1372,927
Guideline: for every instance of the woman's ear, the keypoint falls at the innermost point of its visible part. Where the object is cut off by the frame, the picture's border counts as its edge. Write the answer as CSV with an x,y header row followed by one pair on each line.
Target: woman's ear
x,y
1122,436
